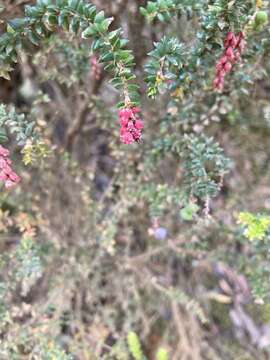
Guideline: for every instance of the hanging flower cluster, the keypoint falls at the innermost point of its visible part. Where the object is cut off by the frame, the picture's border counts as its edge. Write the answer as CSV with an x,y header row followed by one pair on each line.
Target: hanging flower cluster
x,y
131,125
233,48
95,68
7,175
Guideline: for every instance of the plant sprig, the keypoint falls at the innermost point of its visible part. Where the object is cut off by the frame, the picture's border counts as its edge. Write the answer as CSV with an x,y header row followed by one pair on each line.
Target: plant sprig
x,y
79,18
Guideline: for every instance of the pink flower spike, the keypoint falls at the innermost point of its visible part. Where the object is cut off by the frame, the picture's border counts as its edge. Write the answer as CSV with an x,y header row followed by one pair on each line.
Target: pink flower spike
x,y
131,125
7,175
233,47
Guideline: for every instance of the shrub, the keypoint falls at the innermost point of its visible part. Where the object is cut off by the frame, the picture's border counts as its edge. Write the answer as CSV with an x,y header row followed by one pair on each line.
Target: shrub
x,y
154,232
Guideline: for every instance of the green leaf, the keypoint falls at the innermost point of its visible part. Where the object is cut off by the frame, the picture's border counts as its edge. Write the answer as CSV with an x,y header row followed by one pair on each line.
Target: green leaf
x,y
18,23
73,4
9,49
44,2
3,136
90,11
134,346
89,32
33,37
151,7
74,25
188,212
143,11
161,17
50,20
63,20
40,30
96,44
33,11
162,354
107,57
99,17
104,25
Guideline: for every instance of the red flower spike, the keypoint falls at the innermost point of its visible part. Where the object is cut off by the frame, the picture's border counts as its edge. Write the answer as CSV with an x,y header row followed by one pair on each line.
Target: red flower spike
x,y
131,125
233,48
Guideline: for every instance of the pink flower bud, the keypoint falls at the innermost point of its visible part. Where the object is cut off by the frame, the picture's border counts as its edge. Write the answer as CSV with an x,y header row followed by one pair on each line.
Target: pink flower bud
x,y
123,121
135,110
216,82
230,40
3,151
139,124
127,138
222,74
230,36
230,53
223,60
14,177
9,184
241,35
237,55
124,113
242,45
227,67
3,176
219,66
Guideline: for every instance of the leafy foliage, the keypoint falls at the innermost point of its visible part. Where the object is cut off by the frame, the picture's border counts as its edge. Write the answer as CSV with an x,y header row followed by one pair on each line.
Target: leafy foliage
x,y
134,346
17,124
162,354
256,226
168,60
204,163
164,9
41,20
